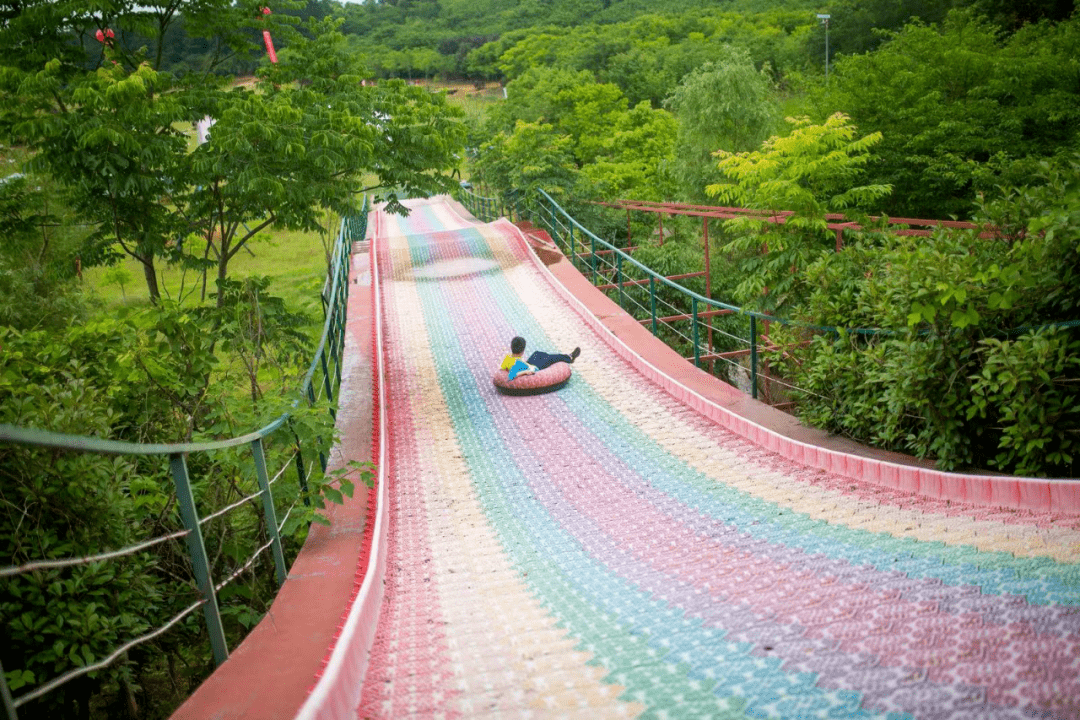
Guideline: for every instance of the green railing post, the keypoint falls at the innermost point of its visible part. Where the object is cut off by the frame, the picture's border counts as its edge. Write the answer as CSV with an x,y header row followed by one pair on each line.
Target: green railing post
x,y
340,338
199,562
268,510
5,693
327,385
592,257
694,333
554,232
301,473
573,248
652,302
339,350
753,357
618,279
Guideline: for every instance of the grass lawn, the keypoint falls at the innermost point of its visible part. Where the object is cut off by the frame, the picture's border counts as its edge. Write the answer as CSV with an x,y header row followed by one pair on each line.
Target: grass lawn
x,y
464,95
296,263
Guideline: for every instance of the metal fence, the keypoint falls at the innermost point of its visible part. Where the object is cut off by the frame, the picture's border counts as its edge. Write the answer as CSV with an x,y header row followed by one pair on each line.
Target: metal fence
x,y
319,387
709,332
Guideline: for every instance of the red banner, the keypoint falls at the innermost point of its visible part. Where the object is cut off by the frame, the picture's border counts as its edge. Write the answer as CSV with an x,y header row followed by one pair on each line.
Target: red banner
x,y
269,46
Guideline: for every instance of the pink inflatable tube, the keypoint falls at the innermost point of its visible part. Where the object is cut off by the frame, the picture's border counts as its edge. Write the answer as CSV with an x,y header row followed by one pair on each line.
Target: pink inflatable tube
x,y
550,378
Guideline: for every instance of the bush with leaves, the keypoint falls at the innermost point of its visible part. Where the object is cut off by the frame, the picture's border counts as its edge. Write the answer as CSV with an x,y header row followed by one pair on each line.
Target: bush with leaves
x,y
794,182
976,362
1029,390
727,104
164,374
57,505
38,255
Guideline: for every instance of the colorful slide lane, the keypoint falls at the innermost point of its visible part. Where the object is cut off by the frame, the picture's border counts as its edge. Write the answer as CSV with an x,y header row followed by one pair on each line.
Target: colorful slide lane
x,y
606,551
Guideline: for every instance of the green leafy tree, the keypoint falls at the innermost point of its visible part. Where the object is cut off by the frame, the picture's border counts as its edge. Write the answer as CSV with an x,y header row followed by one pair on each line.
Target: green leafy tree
x,y
107,136
102,120
961,109
534,96
118,275
532,156
588,113
794,181
303,141
633,157
603,147
307,139
723,105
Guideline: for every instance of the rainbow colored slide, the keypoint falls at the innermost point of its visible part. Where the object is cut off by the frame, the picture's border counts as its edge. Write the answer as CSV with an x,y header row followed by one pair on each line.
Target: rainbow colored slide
x,y
608,551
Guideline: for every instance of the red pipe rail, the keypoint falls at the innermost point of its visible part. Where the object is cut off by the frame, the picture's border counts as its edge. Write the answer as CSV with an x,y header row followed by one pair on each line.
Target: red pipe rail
x,y
834,221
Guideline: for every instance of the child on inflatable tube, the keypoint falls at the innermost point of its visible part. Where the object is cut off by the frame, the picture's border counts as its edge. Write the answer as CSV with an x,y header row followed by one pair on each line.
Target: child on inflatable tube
x,y
515,366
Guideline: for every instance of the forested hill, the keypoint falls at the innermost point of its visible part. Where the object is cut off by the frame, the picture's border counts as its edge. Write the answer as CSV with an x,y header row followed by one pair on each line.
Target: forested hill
x,y
494,17
426,37
429,37
487,17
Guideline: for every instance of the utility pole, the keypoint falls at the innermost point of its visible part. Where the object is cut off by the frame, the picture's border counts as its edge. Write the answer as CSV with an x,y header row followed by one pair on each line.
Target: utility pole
x,y
825,21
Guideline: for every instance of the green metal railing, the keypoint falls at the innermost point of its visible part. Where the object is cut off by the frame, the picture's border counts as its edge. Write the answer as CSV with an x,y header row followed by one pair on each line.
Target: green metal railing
x,y
617,272
604,263
320,384
611,266
486,207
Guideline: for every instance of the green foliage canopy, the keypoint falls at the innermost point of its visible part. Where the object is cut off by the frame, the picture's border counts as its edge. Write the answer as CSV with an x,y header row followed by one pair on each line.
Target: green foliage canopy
x,y
722,105
305,138
962,109
814,171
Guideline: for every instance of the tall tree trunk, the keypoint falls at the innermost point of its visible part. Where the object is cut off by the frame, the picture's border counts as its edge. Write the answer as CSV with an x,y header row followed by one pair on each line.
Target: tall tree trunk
x,y
222,273
151,278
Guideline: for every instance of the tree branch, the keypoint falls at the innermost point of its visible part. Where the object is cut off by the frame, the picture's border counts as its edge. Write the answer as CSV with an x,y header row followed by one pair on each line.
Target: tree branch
x,y
250,234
